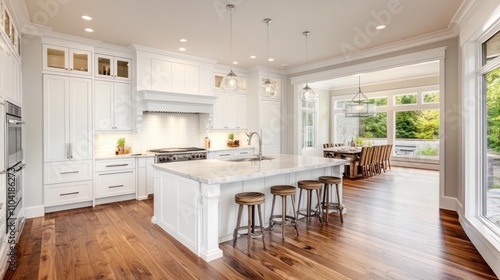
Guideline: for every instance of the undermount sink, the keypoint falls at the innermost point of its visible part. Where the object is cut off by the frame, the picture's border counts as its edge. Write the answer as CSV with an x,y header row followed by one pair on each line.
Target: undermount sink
x,y
250,158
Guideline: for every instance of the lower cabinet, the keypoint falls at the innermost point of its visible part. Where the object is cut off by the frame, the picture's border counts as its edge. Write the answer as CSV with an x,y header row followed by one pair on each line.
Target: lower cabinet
x,y
144,177
66,184
115,177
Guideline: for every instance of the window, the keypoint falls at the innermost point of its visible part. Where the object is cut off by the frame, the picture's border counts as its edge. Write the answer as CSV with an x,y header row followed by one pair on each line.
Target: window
x,y
407,118
430,97
309,124
491,154
405,99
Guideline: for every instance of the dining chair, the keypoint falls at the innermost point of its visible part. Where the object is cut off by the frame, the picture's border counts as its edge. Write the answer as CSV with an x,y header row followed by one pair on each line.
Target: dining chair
x,y
362,163
388,154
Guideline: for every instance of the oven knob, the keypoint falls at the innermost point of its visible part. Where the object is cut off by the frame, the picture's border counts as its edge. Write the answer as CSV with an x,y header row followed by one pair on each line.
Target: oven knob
x,y
204,156
167,158
161,159
174,158
197,156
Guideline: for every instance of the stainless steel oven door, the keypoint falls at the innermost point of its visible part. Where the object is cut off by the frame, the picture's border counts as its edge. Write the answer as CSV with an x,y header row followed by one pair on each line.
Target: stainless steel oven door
x,y
14,140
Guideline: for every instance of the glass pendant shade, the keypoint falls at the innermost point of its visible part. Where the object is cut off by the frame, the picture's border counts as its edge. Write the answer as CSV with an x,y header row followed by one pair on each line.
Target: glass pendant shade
x,y
230,81
268,88
359,106
307,94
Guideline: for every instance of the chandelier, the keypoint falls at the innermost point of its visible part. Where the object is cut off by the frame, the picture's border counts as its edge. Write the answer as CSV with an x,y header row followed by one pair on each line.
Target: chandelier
x,y
230,81
359,106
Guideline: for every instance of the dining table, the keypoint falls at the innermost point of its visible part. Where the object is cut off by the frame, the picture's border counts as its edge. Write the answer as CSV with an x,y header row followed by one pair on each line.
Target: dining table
x,y
349,153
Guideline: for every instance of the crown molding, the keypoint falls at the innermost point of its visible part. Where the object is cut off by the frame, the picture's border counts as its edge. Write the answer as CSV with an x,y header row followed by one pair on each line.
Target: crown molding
x,y
384,49
155,51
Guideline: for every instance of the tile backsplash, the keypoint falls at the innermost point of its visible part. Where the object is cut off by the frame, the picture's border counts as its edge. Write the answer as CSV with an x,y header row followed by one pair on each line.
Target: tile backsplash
x,y
160,130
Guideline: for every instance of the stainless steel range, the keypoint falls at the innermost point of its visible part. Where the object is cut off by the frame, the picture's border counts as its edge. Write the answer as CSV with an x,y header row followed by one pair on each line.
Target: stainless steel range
x,y
178,154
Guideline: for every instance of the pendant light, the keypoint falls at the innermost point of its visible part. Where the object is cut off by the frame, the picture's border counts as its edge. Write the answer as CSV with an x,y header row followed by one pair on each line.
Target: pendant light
x,y
307,94
267,88
359,107
230,81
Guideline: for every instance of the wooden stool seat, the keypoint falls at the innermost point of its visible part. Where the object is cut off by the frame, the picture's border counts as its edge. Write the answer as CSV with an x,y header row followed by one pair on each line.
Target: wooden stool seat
x,y
310,186
250,199
330,181
283,191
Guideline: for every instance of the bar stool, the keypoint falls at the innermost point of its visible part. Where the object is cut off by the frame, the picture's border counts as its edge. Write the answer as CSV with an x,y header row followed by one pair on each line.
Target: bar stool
x,y
309,186
249,199
330,181
283,191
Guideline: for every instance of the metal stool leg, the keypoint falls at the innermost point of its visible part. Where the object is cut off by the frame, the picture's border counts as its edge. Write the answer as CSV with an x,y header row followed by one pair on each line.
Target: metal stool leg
x,y
283,216
308,210
250,211
271,222
319,211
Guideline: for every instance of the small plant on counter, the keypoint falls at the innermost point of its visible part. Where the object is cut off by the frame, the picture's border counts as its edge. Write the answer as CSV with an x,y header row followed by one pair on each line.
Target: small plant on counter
x,y
120,144
230,139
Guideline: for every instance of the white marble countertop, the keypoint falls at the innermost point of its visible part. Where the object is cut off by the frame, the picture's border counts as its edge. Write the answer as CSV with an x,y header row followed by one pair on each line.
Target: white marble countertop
x,y
214,171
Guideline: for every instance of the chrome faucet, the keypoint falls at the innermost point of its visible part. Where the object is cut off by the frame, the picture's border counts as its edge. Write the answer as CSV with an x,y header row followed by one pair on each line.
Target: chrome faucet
x,y
249,135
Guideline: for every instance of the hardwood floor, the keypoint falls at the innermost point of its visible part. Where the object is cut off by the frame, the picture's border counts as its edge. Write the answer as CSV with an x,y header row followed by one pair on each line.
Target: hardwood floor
x,y
393,230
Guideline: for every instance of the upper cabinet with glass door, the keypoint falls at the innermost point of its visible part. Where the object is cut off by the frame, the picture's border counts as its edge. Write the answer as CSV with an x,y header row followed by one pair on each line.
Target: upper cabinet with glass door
x,y
66,60
13,37
112,67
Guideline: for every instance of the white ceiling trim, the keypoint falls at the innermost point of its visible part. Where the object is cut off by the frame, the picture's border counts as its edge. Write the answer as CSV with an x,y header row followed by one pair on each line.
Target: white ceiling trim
x,y
389,48
392,62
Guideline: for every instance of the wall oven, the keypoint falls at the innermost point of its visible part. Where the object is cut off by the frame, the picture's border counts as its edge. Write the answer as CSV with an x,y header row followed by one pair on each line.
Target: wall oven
x,y
13,135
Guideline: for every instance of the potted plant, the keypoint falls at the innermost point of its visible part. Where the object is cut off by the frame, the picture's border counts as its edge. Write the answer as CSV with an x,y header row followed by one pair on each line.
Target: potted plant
x,y
230,139
120,145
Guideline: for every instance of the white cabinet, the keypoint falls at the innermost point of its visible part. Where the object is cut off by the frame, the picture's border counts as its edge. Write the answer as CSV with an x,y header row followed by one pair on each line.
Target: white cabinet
x,y
113,106
68,140
67,118
112,67
10,74
162,73
270,123
66,60
230,153
115,177
144,177
230,111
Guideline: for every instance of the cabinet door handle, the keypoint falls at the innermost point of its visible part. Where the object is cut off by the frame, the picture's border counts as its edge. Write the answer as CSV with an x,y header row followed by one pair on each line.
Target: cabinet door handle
x,y
113,173
117,165
67,151
224,155
70,151
116,186
70,193
69,172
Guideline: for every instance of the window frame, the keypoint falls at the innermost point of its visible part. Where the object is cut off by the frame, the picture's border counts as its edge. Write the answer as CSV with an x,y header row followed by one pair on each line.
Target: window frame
x,y
314,109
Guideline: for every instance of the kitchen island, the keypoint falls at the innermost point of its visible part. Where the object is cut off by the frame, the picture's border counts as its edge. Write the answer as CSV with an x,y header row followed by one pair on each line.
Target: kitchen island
x,y
194,200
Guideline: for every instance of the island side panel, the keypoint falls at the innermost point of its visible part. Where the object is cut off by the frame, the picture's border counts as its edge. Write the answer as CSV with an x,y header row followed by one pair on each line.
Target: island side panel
x,y
177,207
209,242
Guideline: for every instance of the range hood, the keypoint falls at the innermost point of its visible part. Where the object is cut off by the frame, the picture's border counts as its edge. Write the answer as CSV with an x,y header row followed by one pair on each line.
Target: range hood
x,y
171,102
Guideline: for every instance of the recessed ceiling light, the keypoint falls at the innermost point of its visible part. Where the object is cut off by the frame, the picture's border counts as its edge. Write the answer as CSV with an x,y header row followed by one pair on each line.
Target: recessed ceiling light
x,y
253,56
235,62
89,29
183,40
271,59
182,49
86,17
380,27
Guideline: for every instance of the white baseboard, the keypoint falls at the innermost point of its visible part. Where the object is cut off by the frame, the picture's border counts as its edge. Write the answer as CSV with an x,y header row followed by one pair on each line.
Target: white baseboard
x,y
485,241
34,211
449,203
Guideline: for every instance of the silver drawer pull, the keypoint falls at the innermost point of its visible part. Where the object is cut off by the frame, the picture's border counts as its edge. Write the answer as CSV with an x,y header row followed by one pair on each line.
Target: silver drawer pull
x,y
224,155
1,206
69,172
70,193
117,165
116,186
113,173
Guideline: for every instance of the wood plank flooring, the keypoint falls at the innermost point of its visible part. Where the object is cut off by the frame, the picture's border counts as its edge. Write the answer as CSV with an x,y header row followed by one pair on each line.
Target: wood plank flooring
x,y
393,230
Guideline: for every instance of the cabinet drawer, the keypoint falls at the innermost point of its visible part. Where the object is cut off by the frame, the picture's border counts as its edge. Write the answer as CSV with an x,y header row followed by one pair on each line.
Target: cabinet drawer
x,y
220,155
244,152
60,194
114,183
115,164
59,172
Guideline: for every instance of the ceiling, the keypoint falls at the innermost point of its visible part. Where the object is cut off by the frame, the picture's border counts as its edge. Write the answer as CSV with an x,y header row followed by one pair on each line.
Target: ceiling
x,y
337,27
